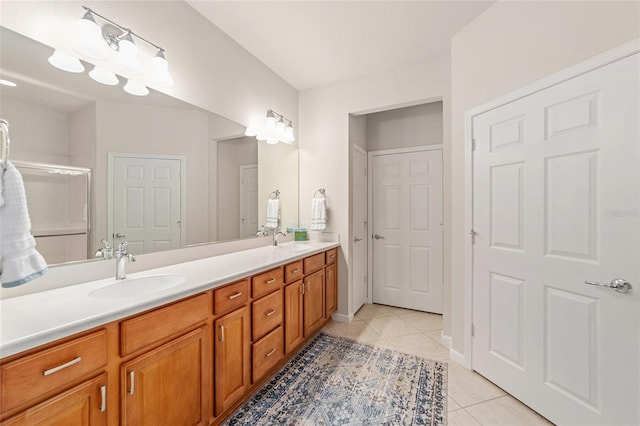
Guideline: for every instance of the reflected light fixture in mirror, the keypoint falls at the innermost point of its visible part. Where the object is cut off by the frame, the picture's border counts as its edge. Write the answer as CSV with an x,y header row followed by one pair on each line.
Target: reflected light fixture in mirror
x,y
113,46
272,131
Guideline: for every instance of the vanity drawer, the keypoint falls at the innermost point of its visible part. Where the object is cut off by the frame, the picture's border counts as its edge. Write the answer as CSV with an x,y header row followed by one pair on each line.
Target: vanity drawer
x,y
293,271
146,329
34,375
267,352
267,314
313,263
230,297
267,282
332,256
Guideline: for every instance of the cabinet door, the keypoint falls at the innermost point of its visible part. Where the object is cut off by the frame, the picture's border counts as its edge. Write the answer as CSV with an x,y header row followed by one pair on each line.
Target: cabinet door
x,y
331,290
293,318
165,386
82,405
232,357
313,302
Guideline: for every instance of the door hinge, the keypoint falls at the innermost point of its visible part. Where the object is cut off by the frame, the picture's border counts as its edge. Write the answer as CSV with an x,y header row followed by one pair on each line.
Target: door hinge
x,y
473,144
473,330
473,234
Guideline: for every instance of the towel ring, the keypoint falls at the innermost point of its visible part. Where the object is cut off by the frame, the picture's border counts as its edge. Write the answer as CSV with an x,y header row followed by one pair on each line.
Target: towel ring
x,y
4,128
275,195
321,191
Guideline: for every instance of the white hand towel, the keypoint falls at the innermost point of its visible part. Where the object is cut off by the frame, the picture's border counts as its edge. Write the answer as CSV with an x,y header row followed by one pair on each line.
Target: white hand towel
x,y
318,214
21,262
273,213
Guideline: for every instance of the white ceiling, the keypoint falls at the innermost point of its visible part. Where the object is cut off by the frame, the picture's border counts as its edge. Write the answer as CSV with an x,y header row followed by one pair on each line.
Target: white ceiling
x,y
312,43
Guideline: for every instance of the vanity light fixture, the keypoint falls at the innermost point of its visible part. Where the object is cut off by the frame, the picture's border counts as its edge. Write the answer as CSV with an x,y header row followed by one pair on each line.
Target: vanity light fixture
x,y
114,48
273,131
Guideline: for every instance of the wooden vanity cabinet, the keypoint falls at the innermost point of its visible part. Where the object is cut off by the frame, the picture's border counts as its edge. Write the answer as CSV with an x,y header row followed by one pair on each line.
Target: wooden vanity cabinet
x,y
164,381
58,380
189,362
232,358
165,385
82,405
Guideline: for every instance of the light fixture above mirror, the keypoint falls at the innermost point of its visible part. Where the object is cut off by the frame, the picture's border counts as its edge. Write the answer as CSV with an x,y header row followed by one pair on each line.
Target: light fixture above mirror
x,y
115,48
272,130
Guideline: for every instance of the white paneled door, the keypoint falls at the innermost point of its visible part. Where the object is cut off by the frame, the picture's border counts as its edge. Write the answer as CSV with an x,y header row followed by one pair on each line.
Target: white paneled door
x,y
359,226
407,230
248,200
557,203
147,203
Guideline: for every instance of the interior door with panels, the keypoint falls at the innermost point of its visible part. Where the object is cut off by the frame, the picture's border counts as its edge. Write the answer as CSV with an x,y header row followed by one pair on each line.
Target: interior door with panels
x,y
556,204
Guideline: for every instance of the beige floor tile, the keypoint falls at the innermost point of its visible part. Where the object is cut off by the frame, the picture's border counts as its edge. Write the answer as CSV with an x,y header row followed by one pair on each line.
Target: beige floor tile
x,y
423,321
469,388
417,344
388,327
460,418
356,330
505,410
452,405
436,336
373,311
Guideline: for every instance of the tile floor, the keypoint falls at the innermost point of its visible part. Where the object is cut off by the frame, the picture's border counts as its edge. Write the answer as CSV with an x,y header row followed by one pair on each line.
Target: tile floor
x,y
472,399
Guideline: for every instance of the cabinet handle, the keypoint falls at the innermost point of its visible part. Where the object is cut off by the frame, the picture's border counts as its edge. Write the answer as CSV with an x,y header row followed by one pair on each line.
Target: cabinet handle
x,y
222,333
103,399
272,280
271,352
295,271
332,256
302,289
273,311
233,296
62,367
132,382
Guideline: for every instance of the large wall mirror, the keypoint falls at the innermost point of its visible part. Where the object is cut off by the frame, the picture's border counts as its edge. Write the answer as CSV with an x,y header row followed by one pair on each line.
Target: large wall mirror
x,y
99,163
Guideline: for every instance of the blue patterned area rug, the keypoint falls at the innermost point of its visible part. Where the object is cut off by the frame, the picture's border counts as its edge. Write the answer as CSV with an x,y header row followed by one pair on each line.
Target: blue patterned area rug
x,y
337,381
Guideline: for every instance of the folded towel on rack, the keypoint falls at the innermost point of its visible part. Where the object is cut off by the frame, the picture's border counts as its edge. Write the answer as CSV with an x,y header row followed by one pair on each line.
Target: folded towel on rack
x,y
21,262
318,214
273,213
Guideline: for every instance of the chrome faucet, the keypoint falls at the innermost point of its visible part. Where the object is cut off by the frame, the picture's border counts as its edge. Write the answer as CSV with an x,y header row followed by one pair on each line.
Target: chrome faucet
x,y
121,257
276,233
105,252
264,231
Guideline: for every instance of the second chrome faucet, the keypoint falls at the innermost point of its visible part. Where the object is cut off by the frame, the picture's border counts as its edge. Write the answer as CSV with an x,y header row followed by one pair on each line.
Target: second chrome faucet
x,y
121,258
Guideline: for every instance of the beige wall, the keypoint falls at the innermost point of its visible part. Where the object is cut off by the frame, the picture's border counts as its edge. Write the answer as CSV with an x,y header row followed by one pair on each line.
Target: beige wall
x,y
405,127
325,150
508,46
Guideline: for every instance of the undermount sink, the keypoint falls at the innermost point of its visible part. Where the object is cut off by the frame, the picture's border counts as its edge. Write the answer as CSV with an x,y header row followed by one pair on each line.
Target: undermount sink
x,y
132,287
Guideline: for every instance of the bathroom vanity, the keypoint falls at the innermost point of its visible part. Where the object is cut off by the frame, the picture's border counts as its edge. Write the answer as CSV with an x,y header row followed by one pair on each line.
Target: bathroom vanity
x,y
188,353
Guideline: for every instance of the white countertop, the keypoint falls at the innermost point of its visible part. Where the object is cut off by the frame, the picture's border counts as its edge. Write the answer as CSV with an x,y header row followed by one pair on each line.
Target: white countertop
x,y
35,319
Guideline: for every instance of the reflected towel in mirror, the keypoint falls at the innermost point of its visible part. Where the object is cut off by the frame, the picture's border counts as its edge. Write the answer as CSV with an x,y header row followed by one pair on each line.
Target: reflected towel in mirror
x,y
318,214
273,213
21,262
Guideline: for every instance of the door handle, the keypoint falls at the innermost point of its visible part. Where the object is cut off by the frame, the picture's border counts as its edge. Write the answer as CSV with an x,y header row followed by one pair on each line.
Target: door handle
x,y
119,235
378,237
356,239
618,284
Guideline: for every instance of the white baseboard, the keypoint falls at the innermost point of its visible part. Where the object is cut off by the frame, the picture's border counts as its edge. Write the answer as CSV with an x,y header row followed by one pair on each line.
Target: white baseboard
x,y
341,317
459,358
445,340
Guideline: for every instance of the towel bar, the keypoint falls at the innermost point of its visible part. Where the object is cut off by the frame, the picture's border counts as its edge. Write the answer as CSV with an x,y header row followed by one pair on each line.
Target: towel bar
x,y
321,191
274,195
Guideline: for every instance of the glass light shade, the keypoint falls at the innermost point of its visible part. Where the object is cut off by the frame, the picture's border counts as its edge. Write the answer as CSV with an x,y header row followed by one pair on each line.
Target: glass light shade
x,y
160,71
271,123
66,62
103,76
88,38
251,132
288,134
135,88
261,136
272,141
280,128
127,59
